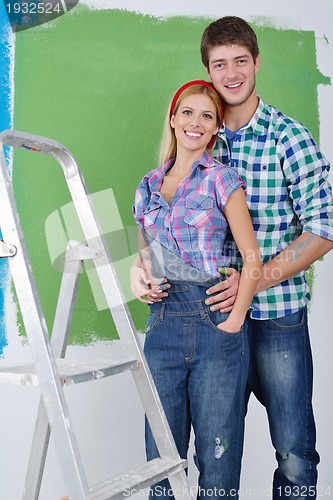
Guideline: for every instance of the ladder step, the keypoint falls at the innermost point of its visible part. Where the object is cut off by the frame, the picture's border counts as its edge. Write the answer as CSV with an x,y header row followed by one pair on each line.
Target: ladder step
x,y
137,479
70,371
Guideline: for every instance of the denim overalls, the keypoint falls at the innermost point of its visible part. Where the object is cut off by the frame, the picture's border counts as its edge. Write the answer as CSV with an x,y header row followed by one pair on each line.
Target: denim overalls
x,y
200,373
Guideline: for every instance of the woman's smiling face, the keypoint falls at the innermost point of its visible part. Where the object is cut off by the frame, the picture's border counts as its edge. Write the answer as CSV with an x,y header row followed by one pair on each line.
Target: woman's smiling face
x,y
195,122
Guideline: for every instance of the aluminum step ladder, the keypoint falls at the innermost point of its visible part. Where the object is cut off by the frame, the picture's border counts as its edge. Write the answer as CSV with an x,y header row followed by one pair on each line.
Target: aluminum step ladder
x,y
50,370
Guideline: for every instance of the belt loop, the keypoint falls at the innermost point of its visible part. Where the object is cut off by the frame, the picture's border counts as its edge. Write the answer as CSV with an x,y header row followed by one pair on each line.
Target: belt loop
x,y
162,312
202,311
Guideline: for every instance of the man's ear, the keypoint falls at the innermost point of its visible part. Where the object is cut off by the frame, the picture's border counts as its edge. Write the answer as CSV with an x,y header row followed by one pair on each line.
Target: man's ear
x,y
257,63
207,71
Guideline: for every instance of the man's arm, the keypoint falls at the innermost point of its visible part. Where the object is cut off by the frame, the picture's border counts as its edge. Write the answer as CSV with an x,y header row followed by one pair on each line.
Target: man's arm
x,y
297,257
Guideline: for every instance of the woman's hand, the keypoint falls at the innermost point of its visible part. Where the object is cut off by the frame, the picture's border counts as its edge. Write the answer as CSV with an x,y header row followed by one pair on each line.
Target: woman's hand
x,y
230,326
146,288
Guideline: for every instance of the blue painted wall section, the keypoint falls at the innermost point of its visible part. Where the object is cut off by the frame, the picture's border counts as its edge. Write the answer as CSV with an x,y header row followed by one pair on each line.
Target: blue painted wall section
x,y
5,123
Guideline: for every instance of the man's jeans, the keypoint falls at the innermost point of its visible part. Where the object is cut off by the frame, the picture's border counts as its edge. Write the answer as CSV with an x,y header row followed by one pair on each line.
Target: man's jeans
x,y
281,376
200,373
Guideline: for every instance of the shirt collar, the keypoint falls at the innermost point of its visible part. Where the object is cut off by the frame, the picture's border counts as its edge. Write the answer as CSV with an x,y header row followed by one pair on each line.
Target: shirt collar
x,y
204,160
258,122
155,181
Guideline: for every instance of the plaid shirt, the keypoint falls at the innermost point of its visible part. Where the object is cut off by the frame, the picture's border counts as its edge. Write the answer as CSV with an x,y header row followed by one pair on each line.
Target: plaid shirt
x,y
193,226
287,193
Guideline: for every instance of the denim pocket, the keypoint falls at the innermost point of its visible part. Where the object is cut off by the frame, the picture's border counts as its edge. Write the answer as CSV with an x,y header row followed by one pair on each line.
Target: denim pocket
x,y
290,321
152,321
214,318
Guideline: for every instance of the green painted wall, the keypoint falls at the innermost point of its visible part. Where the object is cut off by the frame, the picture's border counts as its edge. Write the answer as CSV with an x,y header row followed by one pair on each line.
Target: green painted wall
x,y
100,82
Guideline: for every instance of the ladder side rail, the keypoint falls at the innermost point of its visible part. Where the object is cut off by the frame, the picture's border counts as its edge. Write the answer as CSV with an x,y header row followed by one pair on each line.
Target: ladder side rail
x,y
65,305
37,333
160,427
38,453
59,339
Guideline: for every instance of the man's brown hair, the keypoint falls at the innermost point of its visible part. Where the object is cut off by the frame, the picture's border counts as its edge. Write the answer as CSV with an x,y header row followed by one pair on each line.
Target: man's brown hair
x,y
228,30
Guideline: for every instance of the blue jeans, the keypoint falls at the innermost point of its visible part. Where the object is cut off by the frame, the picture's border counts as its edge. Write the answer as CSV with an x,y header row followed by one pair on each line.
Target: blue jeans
x,y
281,376
200,373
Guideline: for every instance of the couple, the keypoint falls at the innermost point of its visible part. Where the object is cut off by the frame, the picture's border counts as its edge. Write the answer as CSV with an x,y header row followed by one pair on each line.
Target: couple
x,y
232,237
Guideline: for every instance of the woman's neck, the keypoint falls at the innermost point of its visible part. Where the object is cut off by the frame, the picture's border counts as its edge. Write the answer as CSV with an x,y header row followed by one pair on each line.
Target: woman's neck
x,y
183,163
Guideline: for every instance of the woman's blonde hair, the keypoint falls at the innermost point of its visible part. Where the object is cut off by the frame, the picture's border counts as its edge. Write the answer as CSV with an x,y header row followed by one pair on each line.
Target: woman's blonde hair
x,y
168,148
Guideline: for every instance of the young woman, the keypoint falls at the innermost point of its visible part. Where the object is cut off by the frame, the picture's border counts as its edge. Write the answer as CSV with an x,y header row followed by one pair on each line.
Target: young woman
x,y
198,358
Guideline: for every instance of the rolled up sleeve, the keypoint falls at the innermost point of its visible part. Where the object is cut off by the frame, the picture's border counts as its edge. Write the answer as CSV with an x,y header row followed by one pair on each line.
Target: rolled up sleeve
x,y
306,171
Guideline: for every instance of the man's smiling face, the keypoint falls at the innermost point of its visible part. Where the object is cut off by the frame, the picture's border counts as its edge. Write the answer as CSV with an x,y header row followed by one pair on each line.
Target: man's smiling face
x,y
233,73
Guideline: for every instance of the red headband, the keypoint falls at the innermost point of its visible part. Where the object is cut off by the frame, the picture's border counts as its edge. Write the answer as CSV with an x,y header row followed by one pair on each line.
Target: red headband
x,y
190,84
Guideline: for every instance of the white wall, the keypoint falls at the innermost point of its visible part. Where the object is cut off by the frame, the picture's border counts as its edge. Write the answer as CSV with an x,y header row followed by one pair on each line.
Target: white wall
x,y
107,414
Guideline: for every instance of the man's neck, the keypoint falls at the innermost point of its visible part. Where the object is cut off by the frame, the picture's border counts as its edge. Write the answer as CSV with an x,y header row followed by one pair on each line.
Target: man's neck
x,y
236,116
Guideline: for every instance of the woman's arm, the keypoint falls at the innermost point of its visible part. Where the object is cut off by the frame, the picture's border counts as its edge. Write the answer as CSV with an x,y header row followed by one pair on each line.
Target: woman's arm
x,y
239,220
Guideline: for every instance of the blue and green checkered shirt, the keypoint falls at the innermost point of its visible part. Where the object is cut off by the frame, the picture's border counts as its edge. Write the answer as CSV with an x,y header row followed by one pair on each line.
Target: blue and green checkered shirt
x,y
287,192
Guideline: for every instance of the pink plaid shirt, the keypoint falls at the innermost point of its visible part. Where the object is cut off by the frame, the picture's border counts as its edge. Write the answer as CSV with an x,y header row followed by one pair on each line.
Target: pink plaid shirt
x,y
193,226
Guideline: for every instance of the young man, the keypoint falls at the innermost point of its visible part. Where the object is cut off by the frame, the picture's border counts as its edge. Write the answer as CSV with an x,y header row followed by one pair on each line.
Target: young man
x,y
290,202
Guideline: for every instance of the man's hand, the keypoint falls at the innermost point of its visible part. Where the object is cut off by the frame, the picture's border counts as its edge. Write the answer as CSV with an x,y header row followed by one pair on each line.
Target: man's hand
x,y
146,288
226,292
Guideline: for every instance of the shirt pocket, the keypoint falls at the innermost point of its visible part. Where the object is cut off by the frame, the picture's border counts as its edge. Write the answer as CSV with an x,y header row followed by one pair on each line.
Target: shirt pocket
x,y
199,211
151,213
